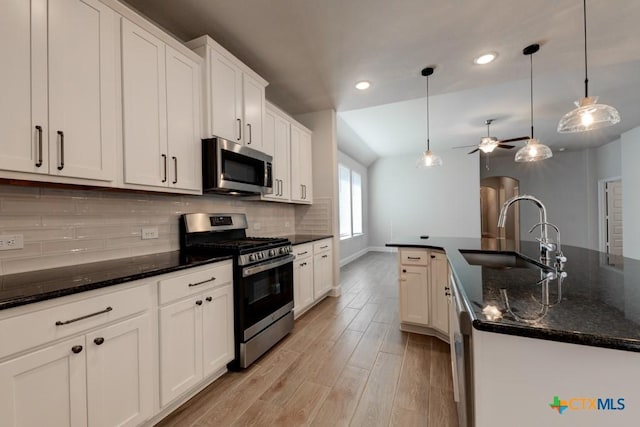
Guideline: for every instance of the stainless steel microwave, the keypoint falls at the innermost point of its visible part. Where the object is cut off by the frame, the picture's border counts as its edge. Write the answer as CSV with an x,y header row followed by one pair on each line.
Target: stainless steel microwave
x,y
231,168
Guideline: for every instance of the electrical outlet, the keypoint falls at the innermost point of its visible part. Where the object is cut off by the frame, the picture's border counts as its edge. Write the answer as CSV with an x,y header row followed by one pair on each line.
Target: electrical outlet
x,y
149,233
257,226
9,242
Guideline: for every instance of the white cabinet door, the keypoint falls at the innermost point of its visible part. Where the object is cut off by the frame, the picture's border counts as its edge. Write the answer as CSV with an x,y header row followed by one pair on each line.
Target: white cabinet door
x,y
322,274
23,81
277,143
120,373
144,104
439,298
301,174
414,294
46,387
303,283
81,89
253,108
180,348
225,98
217,329
183,121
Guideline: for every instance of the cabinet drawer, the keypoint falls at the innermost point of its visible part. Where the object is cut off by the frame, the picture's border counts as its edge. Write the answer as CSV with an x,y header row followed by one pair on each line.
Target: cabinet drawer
x,y
303,251
195,281
39,327
322,246
414,256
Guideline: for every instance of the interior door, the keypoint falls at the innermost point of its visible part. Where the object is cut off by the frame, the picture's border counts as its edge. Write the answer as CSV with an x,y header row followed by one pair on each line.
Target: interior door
x,y
82,89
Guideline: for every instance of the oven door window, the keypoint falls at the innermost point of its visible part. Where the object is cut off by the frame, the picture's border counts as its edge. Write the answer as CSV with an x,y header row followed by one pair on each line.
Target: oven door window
x,y
266,292
239,168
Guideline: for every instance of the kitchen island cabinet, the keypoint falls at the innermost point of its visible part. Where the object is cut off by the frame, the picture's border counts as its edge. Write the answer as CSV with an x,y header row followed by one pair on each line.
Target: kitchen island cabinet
x,y
582,344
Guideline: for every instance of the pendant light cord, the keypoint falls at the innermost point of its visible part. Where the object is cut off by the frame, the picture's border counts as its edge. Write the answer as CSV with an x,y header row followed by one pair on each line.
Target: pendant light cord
x,y
428,148
586,77
531,92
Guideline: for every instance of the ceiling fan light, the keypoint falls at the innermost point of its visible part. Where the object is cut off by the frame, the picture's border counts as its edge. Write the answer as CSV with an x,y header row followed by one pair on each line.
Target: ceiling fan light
x,y
533,151
488,144
428,160
588,115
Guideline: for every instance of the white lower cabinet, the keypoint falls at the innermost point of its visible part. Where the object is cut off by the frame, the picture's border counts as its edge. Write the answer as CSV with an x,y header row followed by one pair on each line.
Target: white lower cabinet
x,y
196,329
424,291
302,277
312,273
100,378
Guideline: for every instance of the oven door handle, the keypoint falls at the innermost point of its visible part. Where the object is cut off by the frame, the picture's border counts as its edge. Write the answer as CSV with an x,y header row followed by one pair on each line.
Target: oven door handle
x,y
250,271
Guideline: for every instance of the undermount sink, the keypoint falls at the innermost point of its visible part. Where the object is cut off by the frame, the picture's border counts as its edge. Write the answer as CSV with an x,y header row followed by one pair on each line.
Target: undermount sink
x,y
504,260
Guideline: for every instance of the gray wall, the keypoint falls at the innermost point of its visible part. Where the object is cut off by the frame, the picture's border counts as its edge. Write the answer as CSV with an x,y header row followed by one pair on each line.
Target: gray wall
x,y
630,148
406,202
568,186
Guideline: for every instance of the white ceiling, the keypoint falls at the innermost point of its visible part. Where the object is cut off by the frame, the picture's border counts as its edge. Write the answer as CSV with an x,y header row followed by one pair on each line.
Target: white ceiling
x,y
313,51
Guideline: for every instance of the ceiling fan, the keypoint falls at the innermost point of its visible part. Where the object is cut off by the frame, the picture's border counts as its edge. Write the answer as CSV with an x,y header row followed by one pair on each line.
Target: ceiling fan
x,y
489,143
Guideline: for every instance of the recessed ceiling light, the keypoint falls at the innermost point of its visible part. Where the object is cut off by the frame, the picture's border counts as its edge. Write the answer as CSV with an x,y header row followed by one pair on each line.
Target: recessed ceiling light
x,y
485,58
363,85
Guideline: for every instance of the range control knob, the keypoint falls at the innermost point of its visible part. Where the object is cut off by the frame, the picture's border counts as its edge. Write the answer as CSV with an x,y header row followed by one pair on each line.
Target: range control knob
x,y
252,257
272,252
281,250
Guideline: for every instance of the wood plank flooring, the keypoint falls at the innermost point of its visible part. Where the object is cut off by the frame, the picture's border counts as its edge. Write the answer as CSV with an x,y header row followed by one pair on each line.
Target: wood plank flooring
x,y
346,364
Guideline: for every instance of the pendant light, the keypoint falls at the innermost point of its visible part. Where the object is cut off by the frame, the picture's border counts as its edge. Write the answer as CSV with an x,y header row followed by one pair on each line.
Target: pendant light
x,y
533,150
428,159
589,114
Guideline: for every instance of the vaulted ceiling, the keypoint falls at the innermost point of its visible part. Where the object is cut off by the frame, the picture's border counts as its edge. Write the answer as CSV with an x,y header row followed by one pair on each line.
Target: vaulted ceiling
x,y
313,51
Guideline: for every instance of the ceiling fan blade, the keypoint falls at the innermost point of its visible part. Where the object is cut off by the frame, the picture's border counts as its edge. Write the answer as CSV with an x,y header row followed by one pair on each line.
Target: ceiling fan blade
x,y
507,146
466,146
521,138
471,152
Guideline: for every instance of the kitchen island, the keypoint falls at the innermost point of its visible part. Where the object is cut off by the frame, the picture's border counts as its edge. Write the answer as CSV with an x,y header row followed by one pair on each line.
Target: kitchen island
x,y
579,341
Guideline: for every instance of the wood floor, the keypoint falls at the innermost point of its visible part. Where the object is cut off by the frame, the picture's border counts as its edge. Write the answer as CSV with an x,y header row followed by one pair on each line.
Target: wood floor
x,y
346,363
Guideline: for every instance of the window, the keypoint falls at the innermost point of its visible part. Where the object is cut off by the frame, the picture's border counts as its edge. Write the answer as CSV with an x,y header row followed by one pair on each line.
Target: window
x,y
350,201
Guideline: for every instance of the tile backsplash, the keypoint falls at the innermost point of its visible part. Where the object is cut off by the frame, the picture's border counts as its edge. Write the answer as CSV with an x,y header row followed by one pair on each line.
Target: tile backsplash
x,y
67,227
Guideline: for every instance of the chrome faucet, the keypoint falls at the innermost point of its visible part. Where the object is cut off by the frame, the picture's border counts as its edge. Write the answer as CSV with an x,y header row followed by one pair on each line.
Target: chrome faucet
x,y
545,245
560,258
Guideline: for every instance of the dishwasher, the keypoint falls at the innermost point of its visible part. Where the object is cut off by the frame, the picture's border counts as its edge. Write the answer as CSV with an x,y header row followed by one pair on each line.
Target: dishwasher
x,y
460,341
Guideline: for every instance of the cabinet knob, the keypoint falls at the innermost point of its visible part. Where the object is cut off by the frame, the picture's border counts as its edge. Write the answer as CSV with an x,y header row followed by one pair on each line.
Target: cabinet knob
x,y
98,341
76,349
199,302
447,294
404,271
446,288
209,299
433,256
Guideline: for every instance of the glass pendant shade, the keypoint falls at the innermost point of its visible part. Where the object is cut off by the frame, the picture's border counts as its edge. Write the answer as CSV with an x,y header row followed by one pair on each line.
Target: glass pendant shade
x,y
533,151
428,160
488,144
588,116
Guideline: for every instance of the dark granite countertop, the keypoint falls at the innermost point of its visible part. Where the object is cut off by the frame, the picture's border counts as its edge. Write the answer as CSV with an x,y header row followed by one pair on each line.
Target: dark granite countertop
x,y
599,300
299,239
25,288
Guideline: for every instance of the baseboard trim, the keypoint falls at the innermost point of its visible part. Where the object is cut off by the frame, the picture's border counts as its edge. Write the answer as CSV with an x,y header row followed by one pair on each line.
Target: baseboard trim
x,y
353,257
382,249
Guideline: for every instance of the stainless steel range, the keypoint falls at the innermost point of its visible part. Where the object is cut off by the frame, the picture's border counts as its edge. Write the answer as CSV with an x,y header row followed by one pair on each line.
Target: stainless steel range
x,y
262,277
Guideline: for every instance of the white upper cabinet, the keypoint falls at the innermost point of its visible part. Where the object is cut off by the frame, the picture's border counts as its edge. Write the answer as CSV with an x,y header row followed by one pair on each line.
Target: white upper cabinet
x,y
58,108
277,143
225,110
161,112
301,174
235,104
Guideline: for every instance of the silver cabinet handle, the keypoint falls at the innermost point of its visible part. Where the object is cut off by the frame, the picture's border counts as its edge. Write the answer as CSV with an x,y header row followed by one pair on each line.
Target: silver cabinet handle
x,y
61,165
66,322
239,129
39,162
200,283
175,169
164,160
249,126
